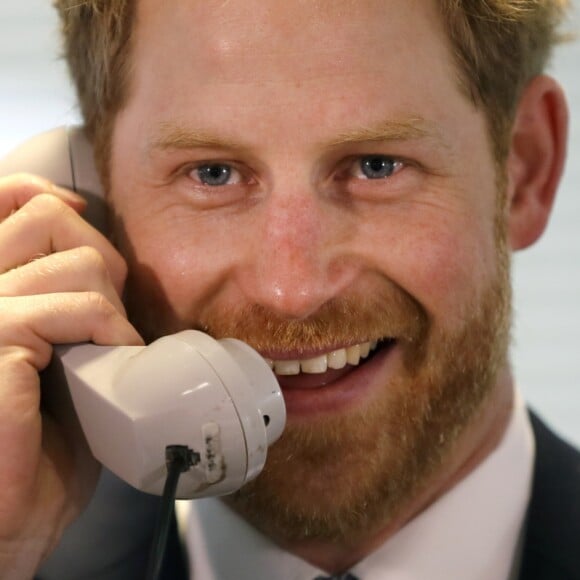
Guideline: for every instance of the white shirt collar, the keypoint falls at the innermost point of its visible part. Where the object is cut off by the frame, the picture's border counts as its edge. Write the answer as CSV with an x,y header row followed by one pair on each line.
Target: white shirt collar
x,y
471,532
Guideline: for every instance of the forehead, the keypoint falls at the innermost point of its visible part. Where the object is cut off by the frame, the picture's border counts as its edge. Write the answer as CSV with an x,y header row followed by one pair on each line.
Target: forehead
x,y
307,70
271,39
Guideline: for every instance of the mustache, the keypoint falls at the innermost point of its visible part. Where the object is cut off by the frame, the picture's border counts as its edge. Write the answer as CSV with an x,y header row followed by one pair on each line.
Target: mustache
x,y
388,313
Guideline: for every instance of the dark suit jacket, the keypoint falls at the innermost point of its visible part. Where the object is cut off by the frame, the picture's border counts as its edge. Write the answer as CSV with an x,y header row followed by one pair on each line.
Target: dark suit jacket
x,y
552,540
551,549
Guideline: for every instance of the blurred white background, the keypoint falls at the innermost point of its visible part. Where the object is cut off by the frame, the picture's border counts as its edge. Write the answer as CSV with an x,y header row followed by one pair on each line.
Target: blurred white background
x,y
35,95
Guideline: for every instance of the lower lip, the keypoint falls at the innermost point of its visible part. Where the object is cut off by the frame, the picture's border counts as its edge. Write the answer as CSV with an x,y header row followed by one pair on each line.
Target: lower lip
x,y
350,390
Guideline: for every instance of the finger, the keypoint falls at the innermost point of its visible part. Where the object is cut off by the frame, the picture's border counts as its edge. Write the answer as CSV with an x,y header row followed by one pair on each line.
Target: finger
x,y
45,464
78,270
46,225
18,189
33,323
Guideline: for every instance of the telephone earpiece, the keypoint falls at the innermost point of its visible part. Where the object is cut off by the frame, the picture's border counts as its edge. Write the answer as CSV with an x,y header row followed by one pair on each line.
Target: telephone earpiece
x,y
65,157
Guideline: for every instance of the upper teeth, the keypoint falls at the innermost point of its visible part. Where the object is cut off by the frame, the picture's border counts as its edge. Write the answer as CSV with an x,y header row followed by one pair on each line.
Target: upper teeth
x,y
337,359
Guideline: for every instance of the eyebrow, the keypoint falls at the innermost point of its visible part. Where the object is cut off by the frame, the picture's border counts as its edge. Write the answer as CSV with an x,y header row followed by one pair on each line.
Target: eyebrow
x,y
175,136
408,129
171,135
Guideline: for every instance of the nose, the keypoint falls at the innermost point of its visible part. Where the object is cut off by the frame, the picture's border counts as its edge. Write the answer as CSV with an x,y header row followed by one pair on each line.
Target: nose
x,y
299,256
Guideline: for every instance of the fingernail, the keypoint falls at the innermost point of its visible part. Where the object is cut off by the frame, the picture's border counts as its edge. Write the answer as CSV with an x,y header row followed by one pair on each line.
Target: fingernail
x,y
68,194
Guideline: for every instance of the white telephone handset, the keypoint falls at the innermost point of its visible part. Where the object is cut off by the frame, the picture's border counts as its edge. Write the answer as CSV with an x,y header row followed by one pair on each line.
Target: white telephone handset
x,y
220,399
65,157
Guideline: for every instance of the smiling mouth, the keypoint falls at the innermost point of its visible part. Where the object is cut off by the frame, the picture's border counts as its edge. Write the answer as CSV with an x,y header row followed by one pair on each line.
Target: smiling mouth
x,y
339,359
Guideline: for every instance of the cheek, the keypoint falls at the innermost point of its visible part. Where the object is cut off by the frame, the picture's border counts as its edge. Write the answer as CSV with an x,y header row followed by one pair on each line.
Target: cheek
x,y
186,259
443,261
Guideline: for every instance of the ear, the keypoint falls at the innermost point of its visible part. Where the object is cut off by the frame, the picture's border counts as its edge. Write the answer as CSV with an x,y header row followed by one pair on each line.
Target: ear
x,y
536,159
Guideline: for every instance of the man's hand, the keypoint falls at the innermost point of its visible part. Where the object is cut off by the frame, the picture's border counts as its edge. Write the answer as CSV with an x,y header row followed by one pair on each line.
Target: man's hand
x,y
60,282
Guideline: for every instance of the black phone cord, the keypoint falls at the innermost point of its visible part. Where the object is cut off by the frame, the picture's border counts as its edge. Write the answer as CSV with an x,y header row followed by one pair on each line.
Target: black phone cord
x,y
178,459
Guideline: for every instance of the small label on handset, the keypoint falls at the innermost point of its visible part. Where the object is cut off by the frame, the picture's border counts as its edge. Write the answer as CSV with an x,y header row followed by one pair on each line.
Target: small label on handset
x,y
213,456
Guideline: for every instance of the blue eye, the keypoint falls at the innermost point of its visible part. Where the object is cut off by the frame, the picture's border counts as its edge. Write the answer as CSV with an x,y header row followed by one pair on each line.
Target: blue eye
x,y
215,174
377,166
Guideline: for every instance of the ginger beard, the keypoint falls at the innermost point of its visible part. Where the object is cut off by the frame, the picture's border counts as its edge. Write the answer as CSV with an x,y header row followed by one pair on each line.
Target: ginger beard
x,y
352,474
345,475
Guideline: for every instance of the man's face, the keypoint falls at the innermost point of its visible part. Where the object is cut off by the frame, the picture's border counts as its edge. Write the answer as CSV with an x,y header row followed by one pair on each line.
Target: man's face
x,y
308,177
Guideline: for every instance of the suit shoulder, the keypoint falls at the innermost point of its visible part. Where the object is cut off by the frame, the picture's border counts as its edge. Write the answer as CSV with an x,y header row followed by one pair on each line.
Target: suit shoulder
x,y
552,543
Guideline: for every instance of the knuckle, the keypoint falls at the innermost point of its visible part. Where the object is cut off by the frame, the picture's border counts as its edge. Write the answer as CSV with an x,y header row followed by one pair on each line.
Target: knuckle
x,y
106,319
99,303
41,209
99,268
48,204
45,211
116,267
18,339
92,259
